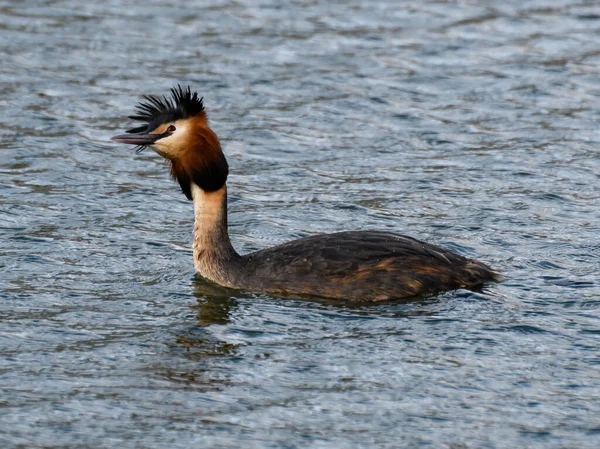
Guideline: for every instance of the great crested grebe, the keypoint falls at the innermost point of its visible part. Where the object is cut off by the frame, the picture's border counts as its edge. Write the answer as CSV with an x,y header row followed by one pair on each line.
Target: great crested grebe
x,y
357,266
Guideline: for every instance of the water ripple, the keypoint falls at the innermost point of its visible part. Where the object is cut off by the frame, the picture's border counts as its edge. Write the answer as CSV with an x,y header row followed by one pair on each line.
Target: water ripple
x,y
473,126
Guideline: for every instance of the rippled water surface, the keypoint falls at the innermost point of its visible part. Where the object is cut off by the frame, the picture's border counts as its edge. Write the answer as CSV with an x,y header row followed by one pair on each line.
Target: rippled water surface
x,y
469,125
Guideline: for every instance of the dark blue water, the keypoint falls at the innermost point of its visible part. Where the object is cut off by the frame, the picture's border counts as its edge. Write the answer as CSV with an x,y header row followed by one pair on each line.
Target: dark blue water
x,y
472,125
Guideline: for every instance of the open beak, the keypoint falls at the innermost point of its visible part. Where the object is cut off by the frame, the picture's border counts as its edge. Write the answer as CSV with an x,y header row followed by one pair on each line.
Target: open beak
x,y
143,139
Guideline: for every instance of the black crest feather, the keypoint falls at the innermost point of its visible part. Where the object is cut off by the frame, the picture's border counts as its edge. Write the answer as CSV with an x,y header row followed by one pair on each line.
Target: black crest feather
x,y
159,109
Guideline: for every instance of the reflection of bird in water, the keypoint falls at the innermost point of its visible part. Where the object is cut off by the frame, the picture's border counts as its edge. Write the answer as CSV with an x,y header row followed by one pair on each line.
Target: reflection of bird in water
x,y
215,303
356,265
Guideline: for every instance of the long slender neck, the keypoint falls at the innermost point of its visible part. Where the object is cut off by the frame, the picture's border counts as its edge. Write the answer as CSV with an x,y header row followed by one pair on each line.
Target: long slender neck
x,y
214,256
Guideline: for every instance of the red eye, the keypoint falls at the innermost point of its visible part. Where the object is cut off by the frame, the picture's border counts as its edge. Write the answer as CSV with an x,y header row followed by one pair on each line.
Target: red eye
x,y
171,129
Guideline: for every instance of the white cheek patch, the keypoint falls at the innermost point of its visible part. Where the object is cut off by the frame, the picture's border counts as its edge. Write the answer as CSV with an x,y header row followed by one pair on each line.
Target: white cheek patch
x,y
161,150
171,146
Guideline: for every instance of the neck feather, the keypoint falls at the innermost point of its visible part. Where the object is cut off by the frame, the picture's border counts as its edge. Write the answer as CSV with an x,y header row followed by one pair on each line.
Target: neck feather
x,y
214,256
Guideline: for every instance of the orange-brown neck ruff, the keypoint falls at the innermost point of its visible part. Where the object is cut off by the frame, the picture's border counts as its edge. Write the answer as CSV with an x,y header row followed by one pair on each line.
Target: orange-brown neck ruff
x,y
202,161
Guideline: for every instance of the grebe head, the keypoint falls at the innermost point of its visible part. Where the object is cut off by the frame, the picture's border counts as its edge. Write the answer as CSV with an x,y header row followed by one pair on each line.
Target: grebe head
x,y
177,129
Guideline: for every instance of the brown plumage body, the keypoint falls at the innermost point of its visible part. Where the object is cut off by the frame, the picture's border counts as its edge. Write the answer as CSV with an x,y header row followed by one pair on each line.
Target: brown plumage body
x,y
356,266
